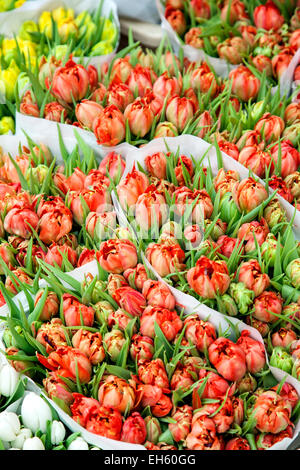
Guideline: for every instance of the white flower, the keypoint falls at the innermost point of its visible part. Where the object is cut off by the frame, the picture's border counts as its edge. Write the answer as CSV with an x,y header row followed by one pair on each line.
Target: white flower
x,y
78,444
58,433
94,448
33,443
9,426
24,434
9,379
35,413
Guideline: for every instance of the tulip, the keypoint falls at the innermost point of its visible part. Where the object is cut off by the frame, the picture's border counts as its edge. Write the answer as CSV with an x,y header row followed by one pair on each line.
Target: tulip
x,y
233,49
140,80
114,165
142,348
263,64
274,214
151,208
169,322
270,127
268,16
51,305
56,387
292,113
208,278
136,277
114,342
225,181
249,194
281,359
33,443
233,11
272,412
23,435
255,159
183,417
254,352
87,112
252,231
100,226
156,165
42,413
202,209
120,95
244,84
229,148
153,373
290,157
116,256
200,333
293,272
18,222
58,433
246,384
117,394
130,300
55,112
202,79
75,313
131,187
165,129
250,274
9,380
176,19
242,296
238,443
227,245
166,258
179,111
158,295
90,344
292,182
70,360
9,426
153,429
134,429
228,358
78,444
109,126
28,105
283,338
69,83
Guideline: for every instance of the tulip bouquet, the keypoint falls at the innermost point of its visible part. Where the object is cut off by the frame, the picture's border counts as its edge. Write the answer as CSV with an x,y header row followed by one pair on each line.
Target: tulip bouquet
x,y
264,33
129,365
53,212
221,239
30,423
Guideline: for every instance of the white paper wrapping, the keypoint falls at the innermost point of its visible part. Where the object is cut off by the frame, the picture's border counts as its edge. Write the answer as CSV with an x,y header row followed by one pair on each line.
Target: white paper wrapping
x,y
139,10
42,130
11,21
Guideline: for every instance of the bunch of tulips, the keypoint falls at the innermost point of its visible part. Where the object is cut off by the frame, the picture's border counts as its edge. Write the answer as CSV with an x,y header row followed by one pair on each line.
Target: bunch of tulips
x,y
59,33
124,360
264,33
138,99
51,212
223,240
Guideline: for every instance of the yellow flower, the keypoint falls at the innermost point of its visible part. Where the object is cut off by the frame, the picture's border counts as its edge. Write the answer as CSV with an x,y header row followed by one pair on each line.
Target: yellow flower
x,y
7,124
45,24
67,28
87,30
19,3
27,28
84,18
8,45
109,31
60,14
9,78
102,48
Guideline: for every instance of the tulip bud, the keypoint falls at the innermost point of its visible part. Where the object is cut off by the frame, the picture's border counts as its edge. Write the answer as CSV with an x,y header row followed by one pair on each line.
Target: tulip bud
x,y
293,272
78,444
281,359
102,311
274,214
58,432
9,380
9,426
36,420
114,341
33,443
153,429
247,384
228,306
242,296
229,211
23,435
268,249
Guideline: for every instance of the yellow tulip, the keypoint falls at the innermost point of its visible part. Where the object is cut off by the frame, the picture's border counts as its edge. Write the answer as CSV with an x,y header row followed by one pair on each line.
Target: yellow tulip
x,y
9,78
102,48
109,31
7,124
45,24
27,28
19,3
60,14
84,18
67,28
8,45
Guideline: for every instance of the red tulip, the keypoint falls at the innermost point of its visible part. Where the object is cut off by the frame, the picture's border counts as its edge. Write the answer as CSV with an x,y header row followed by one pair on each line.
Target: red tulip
x,y
179,111
69,83
167,86
52,335
268,16
51,306
283,337
116,256
290,157
109,126
228,358
18,222
200,333
55,112
255,159
156,165
249,194
166,258
281,61
90,344
158,294
272,412
86,112
116,393
130,300
55,387
270,127
55,255
28,105
168,320
244,84
140,117
236,11
134,429
70,359
136,277
254,352
142,348
119,95
76,313
238,443
250,274
265,304
209,278
183,417
176,19
131,187
114,165
233,49
153,373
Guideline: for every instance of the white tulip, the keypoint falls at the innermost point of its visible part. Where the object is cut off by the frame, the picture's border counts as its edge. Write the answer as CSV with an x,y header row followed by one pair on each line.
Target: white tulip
x,y
24,434
33,443
35,413
78,444
9,426
94,448
58,433
9,379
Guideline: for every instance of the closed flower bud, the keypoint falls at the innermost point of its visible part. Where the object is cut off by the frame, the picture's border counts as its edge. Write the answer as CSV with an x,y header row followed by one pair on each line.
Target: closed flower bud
x,y
33,443
58,432
293,272
9,379
281,359
9,426
42,413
